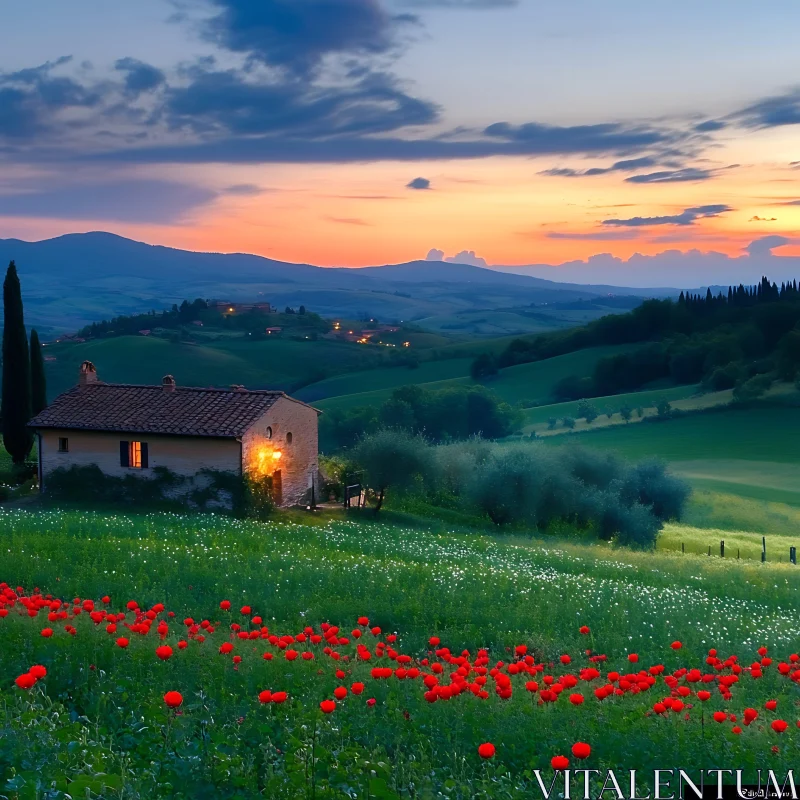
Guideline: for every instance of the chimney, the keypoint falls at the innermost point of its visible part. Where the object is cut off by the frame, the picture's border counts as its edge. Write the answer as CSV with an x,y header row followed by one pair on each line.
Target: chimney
x,y
168,383
88,374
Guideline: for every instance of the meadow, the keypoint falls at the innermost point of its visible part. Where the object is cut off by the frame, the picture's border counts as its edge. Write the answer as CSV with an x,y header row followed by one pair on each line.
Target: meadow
x,y
325,657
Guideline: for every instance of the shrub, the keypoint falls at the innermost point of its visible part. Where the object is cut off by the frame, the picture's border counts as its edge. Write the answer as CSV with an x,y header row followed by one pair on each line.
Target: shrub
x,y
752,389
391,459
568,422
484,366
587,411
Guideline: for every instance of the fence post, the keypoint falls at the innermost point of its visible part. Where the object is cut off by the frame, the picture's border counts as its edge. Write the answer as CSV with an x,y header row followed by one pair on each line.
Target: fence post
x,y
793,555
737,553
683,548
763,549
709,549
722,549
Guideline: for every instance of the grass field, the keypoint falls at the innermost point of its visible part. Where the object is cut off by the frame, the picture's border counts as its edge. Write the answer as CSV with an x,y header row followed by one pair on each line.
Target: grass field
x,y
275,364
519,384
469,591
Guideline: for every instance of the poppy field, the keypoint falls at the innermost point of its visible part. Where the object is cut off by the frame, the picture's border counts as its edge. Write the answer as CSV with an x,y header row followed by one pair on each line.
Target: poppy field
x,y
164,655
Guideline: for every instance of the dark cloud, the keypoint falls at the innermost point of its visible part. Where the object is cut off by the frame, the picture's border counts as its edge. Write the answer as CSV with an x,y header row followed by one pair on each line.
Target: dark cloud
x,y
139,77
298,34
244,189
689,174
143,201
628,165
603,138
32,99
765,245
711,125
771,112
762,219
790,203
419,183
686,217
230,103
435,254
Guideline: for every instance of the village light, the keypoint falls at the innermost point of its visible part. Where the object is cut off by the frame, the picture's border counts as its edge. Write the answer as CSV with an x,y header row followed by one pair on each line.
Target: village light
x,y
276,454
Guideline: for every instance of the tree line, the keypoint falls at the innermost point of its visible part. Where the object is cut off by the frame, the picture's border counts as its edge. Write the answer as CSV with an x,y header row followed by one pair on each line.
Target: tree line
x,y
24,387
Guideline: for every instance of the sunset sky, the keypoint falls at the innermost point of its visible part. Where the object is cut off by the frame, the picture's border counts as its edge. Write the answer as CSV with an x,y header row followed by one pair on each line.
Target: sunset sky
x,y
353,132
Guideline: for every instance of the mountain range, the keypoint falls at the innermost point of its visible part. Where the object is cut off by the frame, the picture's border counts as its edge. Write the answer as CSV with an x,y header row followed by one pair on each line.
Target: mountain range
x,y
75,279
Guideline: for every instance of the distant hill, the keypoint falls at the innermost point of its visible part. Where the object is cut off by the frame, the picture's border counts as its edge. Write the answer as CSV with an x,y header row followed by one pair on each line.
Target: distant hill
x,y
75,279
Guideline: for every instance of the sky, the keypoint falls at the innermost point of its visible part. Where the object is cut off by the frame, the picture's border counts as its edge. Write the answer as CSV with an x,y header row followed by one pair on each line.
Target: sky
x,y
355,132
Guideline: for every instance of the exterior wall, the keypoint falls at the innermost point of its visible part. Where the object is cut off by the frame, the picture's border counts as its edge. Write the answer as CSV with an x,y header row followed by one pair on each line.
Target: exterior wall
x,y
299,461
183,455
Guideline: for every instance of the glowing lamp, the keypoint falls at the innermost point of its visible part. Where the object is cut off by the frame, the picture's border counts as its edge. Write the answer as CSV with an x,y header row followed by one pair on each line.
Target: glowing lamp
x,y
276,454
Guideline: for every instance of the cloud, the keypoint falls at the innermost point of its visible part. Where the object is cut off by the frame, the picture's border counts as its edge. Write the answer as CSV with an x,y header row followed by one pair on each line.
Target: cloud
x,y
435,255
771,112
139,77
348,220
462,4
762,219
711,125
602,138
32,99
596,236
299,34
628,165
790,203
419,183
467,257
687,217
766,244
220,103
137,201
673,176
244,189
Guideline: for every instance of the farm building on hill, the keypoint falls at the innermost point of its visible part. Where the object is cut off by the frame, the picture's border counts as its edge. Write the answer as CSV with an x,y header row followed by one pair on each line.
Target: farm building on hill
x,y
128,429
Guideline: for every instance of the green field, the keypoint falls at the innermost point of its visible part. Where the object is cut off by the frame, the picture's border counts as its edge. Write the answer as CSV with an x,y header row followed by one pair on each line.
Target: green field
x,y
470,591
278,364
524,383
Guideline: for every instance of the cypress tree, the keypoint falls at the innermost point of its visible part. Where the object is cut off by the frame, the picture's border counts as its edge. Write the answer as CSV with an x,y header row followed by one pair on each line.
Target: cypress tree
x,y
16,390
38,380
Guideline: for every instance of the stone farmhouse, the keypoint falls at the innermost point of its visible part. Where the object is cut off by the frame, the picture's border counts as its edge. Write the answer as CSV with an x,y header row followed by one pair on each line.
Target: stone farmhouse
x,y
125,429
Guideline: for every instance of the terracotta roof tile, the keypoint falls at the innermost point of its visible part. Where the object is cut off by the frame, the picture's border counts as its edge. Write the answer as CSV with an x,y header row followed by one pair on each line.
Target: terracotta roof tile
x,y
184,411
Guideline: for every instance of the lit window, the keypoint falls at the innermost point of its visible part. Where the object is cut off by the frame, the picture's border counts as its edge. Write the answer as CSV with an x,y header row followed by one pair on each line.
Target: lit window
x,y
63,445
289,438
135,455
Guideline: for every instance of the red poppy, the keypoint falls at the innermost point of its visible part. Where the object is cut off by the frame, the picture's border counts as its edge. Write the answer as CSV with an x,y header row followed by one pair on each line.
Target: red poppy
x,y
328,706
25,681
736,729
565,659
246,610
47,632
779,726
703,695
265,696
486,750
771,705
122,642
164,652
173,699
581,750
576,699
749,715
237,659
357,688
633,658
720,716
559,762
225,605
363,621
279,697
38,671
371,702
340,692
225,648
584,629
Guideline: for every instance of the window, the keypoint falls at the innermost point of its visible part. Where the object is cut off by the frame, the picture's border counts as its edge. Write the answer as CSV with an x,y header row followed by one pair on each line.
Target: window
x,y
133,455
63,445
268,432
289,438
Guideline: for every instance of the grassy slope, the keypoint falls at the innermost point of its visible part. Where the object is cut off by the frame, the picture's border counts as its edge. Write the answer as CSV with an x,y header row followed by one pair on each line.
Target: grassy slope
x,y
522,383
264,364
